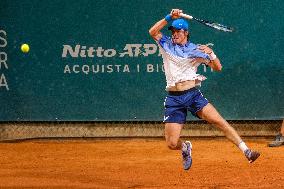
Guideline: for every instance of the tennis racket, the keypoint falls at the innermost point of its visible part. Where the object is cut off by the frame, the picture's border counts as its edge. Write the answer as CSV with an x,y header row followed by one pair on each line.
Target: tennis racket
x,y
208,23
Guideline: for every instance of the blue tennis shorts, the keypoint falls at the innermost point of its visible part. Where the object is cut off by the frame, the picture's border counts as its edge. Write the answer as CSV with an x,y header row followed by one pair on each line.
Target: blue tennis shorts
x,y
177,103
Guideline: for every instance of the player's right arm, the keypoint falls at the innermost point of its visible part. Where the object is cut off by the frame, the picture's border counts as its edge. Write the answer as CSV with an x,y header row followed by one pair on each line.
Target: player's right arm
x,y
155,31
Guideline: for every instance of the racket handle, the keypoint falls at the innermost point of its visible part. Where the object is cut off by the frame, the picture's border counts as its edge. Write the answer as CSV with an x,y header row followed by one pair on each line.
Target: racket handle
x,y
186,16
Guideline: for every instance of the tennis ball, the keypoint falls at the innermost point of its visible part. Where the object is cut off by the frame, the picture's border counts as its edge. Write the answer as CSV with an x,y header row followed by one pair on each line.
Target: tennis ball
x,y
25,48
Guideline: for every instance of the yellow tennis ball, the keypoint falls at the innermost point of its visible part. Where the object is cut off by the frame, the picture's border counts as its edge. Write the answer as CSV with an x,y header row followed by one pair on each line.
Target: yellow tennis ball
x,y
25,48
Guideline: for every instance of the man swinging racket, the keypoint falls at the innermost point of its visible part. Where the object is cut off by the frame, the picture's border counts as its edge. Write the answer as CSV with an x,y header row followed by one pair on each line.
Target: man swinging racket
x,y
181,59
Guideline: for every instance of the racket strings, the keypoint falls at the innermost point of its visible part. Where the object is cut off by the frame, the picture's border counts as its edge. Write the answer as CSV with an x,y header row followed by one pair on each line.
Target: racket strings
x,y
215,25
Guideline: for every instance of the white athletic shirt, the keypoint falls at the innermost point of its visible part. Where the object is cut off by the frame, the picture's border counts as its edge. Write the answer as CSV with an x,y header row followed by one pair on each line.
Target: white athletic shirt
x,y
181,61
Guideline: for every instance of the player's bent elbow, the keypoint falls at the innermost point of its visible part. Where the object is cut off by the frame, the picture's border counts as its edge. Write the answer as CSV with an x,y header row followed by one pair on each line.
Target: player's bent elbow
x,y
152,32
215,65
153,35
219,68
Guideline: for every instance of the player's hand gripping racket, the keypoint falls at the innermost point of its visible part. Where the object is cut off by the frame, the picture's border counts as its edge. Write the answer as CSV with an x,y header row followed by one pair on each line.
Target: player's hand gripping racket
x,y
208,23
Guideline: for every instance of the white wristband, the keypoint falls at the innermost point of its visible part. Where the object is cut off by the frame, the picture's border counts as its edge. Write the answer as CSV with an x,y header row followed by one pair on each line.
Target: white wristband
x,y
212,56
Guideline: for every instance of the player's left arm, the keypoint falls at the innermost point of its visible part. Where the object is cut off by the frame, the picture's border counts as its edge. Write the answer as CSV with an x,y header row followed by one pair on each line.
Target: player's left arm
x,y
214,62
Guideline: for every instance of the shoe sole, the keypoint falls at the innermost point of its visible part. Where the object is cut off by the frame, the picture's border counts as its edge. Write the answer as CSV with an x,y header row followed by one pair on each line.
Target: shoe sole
x,y
250,161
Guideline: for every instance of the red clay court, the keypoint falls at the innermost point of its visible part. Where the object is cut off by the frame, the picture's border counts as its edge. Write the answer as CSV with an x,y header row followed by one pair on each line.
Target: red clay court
x,y
137,163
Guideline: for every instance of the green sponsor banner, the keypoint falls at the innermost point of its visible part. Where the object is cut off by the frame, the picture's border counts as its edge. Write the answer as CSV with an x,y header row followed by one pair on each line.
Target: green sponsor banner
x,y
95,61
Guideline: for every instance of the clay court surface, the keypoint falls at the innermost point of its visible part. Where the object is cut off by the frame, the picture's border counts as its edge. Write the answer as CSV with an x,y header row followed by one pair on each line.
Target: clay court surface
x,y
136,163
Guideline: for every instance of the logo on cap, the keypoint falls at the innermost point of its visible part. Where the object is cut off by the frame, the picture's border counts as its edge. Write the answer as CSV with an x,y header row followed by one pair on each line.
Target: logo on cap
x,y
179,24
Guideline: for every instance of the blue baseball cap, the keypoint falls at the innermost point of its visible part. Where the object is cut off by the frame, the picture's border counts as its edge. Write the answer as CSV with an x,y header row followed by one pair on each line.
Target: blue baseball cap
x,y
179,24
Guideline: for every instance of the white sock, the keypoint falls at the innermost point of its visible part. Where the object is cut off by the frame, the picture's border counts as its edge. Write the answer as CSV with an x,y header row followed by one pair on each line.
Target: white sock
x,y
242,146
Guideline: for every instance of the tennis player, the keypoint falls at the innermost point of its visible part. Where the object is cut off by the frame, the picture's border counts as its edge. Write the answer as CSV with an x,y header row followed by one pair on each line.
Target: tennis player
x,y
181,59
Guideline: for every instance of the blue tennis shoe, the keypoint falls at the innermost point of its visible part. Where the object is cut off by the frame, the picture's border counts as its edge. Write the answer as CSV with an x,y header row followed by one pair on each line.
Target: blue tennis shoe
x,y
251,155
186,155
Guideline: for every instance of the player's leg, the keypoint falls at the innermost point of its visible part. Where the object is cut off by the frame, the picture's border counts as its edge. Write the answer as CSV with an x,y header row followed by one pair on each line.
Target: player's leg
x,y
175,117
210,114
172,135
